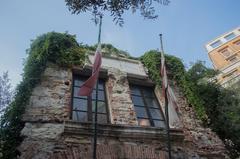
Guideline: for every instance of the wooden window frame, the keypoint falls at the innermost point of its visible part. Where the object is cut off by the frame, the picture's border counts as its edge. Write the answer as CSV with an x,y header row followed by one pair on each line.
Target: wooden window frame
x,y
89,99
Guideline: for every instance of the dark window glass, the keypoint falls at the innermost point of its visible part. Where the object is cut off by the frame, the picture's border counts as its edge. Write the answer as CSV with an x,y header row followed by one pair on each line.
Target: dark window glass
x,y
148,93
101,107
152,102
78,82
159,123
137,100
80,116
101,95
75,93
135,91
141,112
146,107
79,104
156,114
100,85
102,118
80,108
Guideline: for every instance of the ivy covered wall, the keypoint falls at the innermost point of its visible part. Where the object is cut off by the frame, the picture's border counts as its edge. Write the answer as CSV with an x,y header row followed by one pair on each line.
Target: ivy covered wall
x,y
176,72
59,48
63,50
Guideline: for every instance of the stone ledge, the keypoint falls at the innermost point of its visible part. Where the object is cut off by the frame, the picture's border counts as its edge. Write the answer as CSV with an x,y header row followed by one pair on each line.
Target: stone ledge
x,y
121,131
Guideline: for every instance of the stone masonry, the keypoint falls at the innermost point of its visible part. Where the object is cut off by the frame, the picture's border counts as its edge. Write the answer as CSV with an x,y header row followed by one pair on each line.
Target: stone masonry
x,y
121,109
49,133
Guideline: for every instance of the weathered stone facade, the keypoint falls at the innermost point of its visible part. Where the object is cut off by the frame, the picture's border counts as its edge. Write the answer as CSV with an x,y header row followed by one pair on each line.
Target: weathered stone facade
x,y
121,109
50,133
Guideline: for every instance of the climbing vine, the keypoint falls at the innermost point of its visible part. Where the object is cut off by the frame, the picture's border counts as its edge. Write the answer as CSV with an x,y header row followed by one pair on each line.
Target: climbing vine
x,y
176,73
208,100
59,48
217,107
108,50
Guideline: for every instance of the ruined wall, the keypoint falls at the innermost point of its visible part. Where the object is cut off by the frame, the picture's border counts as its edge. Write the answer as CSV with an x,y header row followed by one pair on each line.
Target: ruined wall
x,y
198,141
44,116
121,106
197,138
50,134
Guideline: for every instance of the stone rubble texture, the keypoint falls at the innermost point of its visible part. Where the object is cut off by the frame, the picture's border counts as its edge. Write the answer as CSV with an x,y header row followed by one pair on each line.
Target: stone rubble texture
x,y
46,134
121,106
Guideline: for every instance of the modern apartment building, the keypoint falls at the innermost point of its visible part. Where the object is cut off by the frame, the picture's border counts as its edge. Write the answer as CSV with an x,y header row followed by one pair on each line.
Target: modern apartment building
x,y
224,52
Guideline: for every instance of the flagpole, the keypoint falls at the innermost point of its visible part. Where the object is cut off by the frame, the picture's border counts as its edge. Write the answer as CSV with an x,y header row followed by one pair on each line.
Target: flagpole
x,y
96,103
166,109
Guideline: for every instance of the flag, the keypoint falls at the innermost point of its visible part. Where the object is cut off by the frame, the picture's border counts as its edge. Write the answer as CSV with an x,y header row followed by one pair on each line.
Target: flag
x,y
163,74
87,87
170,94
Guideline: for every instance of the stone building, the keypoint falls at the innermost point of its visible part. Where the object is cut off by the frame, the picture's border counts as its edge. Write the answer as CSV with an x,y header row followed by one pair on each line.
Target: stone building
x,y
224,52
131,119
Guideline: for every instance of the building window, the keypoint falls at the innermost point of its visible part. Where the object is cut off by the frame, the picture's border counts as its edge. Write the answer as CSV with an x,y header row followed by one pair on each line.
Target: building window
x,y
146,106
230,36
216,44
231,74
81,105
233,59
237,43
225,52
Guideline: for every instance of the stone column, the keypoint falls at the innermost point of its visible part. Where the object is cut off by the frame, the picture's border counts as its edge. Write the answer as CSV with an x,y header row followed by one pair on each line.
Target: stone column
x,y
119,99
47,109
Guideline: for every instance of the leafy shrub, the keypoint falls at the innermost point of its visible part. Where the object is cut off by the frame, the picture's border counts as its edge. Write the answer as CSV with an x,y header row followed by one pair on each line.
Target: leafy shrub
x,y
59,48
177,73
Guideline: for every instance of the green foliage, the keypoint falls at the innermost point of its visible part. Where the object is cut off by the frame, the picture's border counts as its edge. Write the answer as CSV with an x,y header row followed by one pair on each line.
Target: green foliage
x,y
217,107
176,73
115,7
199,71
226,120
175,67
221,105
195,76
151,60
59,48
108,50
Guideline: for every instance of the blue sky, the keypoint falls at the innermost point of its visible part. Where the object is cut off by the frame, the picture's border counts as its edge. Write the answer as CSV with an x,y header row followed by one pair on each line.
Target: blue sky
x,y
187,25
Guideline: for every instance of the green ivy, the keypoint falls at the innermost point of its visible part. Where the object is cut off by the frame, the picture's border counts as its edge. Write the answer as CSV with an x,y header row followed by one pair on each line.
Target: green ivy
x,y
151,60
217,107
59,48
108,50
176,73
62,49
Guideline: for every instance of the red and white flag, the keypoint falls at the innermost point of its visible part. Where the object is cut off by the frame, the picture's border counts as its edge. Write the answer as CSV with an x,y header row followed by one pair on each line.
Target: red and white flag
x,y
163,74
87,87
171,96
168,92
